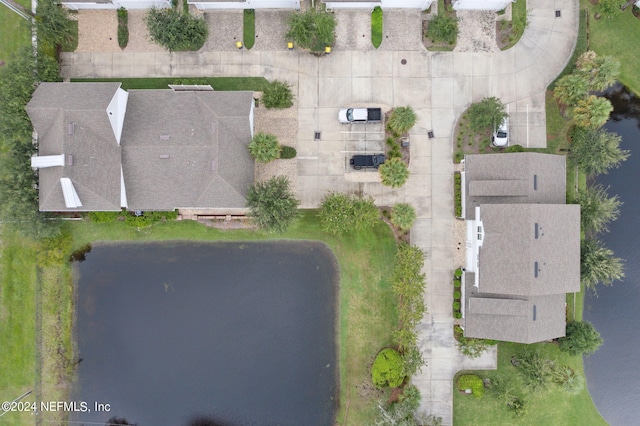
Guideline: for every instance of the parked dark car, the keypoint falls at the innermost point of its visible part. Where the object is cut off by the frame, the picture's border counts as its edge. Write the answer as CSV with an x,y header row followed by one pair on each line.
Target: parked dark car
x,y
367,161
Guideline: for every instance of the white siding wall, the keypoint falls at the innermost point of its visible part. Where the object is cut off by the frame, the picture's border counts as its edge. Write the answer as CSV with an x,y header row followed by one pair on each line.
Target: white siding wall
x,y
115,4
249,4
480,4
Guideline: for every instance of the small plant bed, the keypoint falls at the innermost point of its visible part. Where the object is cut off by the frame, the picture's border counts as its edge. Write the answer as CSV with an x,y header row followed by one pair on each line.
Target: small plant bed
x,y
376,26
400,219
509,32
397,144
457,193
249,27
123,27
440,32
470,384
457,293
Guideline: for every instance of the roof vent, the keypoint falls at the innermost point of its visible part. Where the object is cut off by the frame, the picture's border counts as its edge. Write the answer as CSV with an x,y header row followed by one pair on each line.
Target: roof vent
x,y
164,156
535,269
165,137
70,160
70,128
536,230
534,312
535,182
213,165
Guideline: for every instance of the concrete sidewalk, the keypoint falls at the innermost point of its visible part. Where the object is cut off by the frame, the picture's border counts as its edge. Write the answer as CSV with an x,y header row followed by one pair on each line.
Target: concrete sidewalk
x,y
438,85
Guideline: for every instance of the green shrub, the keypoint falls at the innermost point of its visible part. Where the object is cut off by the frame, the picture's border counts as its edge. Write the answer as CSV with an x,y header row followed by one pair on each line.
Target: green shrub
x,y
394,173
313,30
457,315
473,382
394,152
403,215
486,114
457,283
273,205
401,120
473,348
264,147
457,186
249,26
277,94
376,26
456,295
123,27
176,31
387,369
391,142
341,213
458,273
104,217
514,148
581,338
456,306
287,152
443,28
149,218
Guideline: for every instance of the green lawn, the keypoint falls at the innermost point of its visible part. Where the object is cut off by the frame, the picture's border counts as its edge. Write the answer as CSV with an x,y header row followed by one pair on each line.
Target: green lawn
x,y
367,306
218,83
617,37
14,33
17,323
519,22
551,406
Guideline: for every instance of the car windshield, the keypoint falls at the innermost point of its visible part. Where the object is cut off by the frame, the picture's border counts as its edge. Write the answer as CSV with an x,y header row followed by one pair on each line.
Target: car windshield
x,y
501,134
350,114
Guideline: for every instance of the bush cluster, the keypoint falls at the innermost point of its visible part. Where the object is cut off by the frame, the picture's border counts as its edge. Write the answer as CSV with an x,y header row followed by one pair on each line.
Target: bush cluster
x,y
273,205
443,28
149,218
104,217
387,369
287,152
341,213
457,189
376,26
473,382
278,95
408,287
176,31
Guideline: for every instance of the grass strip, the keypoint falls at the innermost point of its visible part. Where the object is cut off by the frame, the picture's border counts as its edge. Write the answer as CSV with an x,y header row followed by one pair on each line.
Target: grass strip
x,y
14,32
376,26
256,84
249,28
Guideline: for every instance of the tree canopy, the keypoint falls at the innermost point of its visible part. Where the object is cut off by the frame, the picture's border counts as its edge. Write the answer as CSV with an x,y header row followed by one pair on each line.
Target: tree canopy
x,y
581,339
597,209
402,119
592,111
312,30
486,114
341,213
394,172
176,31
273,206
52,24
264,147
595,151
598,264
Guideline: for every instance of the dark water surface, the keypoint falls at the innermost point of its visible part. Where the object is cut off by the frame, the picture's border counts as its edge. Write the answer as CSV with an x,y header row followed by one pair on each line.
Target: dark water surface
x,y
233,333
613,372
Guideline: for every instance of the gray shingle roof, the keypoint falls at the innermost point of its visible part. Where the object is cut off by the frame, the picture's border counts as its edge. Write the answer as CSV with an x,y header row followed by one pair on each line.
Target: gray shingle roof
x,y
513,319
187,149
514,178
57,108
510,251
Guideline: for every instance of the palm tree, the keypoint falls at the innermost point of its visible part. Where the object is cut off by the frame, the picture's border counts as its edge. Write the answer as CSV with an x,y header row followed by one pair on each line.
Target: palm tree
x,y
598,265
599,71
592,112
570,89
402,119
403,215
594,151
264,147
597,209
394,173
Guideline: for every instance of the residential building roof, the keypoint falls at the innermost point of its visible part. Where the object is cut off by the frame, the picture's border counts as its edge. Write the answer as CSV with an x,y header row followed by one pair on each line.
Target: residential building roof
x,y
530,249
513,178
514,319
187,149
74,120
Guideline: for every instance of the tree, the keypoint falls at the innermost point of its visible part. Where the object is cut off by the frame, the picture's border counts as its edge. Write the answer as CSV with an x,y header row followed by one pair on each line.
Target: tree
x,y
277,94
581,338
312,29
341,213
570,89
592,112
408,288
52,24
403,215
600,72
176,31
402,412
402,119
387,370
272,204
610,8
486,114
594,151
598,265
18,181
264,147
472,347
394,172
536,370
443,28
597,209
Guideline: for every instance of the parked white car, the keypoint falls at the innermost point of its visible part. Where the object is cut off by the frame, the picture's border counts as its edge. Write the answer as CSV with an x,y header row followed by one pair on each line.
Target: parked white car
x,y
501,135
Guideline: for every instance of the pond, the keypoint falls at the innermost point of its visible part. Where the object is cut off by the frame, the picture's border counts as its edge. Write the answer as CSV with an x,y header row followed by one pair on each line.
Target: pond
x,y
612,372
208,334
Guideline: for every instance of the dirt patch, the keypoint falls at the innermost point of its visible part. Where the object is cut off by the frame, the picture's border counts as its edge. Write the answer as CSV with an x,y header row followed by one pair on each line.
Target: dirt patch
x,y
367,391
476,31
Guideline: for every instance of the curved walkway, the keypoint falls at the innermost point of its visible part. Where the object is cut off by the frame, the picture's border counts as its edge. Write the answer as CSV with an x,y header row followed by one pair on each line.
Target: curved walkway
x,y
439,86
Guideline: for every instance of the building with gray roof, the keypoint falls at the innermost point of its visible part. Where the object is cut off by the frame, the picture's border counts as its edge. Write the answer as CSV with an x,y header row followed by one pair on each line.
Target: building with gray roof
x,y
523,247
101,148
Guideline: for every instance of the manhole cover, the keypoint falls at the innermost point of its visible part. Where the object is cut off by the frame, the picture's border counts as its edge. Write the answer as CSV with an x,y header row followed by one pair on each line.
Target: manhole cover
x,y
403,62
